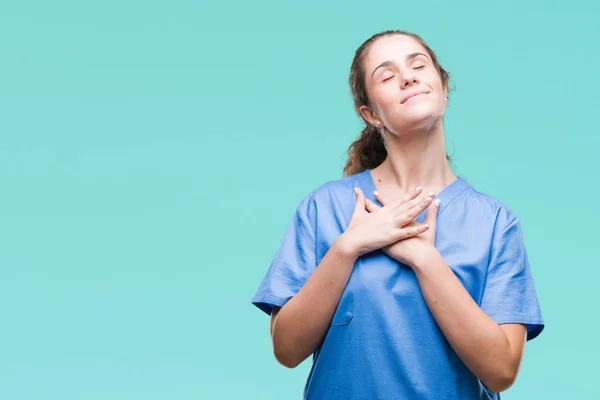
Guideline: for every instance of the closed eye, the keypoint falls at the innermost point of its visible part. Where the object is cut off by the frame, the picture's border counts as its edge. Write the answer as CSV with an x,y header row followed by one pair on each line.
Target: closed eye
x,y
388,78
420,67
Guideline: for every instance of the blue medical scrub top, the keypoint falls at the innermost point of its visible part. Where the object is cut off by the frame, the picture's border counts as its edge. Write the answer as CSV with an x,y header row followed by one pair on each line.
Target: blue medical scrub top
x,y
383,342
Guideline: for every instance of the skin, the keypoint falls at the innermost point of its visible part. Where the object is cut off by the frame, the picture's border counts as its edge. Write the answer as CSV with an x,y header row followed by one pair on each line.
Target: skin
x,y
397,67
300,326
416,168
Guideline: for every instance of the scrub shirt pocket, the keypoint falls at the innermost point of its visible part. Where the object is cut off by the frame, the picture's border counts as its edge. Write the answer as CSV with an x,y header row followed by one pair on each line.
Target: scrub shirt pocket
x,y
345,310
344,313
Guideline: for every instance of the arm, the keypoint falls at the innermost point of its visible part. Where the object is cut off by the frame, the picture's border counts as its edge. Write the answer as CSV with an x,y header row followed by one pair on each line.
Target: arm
x,y
299,327
492,352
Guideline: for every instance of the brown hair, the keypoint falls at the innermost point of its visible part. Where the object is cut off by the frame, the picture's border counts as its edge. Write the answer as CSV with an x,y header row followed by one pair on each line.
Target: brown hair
x,y
368,151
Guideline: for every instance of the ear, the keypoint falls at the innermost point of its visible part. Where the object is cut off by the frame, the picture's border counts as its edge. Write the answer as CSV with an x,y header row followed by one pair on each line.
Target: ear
x,y
369,116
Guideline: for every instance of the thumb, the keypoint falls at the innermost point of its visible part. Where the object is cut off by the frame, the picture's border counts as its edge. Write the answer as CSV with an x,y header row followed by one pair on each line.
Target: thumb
x,y
359,207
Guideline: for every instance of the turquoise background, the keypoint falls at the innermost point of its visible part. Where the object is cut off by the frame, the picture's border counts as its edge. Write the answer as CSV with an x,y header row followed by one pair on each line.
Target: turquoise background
x,y
152,154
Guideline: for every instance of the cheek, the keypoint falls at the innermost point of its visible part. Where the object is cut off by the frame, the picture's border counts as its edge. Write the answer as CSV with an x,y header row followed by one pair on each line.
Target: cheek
x,y
383,100
438,89
388,99
384,94
436,84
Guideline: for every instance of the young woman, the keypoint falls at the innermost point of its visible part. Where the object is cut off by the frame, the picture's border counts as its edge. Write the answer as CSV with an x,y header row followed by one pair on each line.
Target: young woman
x,y
401,279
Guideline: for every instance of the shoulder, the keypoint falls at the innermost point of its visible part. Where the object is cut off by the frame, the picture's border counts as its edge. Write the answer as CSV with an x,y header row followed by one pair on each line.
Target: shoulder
x,y
331,199
484,205
339,188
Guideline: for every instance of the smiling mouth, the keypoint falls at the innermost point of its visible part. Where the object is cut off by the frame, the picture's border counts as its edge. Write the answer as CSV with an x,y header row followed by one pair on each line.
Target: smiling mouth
x,y
413,96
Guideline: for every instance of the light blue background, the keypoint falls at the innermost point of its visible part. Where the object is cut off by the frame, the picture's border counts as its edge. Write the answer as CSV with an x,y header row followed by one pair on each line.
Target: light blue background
x,y
152,153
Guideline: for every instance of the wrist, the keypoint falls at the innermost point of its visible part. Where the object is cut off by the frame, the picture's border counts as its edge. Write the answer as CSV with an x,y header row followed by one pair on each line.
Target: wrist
x,y
345,246
426,257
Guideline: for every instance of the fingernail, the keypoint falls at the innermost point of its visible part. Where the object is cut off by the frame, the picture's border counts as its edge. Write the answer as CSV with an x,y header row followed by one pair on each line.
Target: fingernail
x,y
376,193
428,199
419,188
356,190
426,226
431,194
437,202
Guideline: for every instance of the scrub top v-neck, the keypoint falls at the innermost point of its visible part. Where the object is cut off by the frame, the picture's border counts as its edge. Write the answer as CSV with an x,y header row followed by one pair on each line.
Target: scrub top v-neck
x,y
383,342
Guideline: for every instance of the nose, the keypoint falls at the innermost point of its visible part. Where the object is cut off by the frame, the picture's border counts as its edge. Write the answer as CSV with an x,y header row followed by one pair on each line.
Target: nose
x,y
409,78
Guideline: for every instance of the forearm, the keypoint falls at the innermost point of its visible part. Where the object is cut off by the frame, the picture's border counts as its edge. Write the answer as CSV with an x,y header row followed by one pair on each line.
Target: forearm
x,y
303,322
477,339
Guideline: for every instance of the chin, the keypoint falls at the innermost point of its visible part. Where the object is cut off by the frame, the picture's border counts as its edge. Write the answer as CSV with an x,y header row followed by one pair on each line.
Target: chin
x,y
422,117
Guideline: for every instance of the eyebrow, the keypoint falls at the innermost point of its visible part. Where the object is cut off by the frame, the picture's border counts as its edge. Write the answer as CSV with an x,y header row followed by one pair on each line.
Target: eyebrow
x,y
389,62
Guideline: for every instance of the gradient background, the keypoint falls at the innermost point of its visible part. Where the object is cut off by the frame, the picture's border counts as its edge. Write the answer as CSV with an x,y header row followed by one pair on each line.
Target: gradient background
x,y
152,154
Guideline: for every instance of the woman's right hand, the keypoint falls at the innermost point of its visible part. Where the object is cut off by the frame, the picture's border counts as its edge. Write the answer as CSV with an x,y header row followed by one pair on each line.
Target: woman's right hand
x,y
369,231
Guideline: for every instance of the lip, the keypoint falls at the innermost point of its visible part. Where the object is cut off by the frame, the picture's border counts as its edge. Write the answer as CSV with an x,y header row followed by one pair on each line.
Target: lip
x,y
410,96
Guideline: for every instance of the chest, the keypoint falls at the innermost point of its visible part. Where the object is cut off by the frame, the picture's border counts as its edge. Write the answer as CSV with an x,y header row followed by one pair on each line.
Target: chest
x,y
464,246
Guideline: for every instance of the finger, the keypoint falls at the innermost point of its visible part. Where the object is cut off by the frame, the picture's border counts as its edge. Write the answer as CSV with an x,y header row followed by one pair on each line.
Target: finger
x,y
413,209
415,230
409,196
380,198
371,207
414,201
431,217
359,207
413,194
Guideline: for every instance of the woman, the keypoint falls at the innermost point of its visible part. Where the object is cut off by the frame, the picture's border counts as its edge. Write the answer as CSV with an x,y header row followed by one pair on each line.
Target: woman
x,y
401,279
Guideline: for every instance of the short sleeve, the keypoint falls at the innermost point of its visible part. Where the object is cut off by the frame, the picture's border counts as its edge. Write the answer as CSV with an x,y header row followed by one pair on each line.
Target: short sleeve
x,y
510,295
293,263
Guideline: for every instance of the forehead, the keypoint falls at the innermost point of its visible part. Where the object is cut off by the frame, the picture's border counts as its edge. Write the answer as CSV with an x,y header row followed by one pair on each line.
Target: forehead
x,y
394,47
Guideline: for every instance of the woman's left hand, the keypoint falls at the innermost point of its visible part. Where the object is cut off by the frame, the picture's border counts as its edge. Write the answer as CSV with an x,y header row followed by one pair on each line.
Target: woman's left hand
x,y
412,250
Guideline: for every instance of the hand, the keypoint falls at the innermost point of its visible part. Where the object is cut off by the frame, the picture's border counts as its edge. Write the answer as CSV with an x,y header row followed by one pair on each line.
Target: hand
x,y
414,248
373,229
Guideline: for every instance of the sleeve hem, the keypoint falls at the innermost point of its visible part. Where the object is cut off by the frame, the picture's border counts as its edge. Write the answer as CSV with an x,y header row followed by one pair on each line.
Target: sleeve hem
x,y
535,324
265,302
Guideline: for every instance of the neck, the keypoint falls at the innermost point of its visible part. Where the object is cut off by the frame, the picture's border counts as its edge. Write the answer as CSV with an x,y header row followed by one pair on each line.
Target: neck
x,y
416,159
